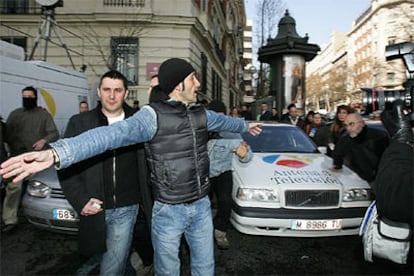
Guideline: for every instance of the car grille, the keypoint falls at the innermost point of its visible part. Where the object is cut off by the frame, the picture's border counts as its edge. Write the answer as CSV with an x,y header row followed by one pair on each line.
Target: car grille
x,y
312,198
57,193
37,220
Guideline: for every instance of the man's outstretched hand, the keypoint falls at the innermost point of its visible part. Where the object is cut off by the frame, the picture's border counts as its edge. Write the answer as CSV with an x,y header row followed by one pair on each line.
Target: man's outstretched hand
x,y
255,128
23,165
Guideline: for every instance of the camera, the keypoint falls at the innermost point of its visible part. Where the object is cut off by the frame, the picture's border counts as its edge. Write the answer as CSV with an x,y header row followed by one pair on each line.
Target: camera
x,y
379,99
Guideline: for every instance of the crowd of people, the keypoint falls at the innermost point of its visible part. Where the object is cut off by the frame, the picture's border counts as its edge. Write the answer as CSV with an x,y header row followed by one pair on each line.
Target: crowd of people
x,y
142,178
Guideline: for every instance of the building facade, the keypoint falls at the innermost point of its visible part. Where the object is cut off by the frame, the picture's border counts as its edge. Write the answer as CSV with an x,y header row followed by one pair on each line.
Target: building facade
x,y
249,70
135,37
358,59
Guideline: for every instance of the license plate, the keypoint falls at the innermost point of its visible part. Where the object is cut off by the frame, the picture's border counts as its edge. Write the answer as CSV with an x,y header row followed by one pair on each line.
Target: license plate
x,y
63,214
317,225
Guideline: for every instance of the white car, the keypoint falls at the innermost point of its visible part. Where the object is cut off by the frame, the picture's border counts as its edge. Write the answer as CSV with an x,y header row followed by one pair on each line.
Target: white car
x,y
287,189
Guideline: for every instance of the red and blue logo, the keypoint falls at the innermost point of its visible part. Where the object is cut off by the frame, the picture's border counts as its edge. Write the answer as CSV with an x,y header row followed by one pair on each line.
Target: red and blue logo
x,y
291,161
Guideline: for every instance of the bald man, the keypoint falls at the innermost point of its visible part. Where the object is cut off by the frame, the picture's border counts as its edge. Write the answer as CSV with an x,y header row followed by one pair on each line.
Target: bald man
x,y
361,148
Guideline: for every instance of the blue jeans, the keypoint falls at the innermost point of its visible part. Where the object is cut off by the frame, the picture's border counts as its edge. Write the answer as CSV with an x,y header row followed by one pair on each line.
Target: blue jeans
x,y
119,231
169,222
120,224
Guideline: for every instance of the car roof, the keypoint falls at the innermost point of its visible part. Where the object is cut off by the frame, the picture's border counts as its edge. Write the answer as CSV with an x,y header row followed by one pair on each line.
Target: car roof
x,y
276,124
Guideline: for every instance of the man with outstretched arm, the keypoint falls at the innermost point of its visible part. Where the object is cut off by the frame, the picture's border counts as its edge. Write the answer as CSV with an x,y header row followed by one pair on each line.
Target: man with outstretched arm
x,y
175,130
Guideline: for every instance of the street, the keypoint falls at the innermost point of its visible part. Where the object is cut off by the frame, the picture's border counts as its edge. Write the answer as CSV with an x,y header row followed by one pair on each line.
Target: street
x,y
30,251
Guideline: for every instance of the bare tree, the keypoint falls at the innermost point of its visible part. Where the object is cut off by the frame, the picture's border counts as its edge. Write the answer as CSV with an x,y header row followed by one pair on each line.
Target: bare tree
x,y
314,87
344,84
98,43
268,14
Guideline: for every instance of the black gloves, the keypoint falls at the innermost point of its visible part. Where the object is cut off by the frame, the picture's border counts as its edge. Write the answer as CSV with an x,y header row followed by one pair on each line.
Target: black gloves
x,y
397,124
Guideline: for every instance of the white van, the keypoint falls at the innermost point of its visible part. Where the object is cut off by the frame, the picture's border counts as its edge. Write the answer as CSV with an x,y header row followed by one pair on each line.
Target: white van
x,y
59,89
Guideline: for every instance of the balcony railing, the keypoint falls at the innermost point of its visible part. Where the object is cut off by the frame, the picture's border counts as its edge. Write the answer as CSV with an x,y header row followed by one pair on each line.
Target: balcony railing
x,y
31,7
124,3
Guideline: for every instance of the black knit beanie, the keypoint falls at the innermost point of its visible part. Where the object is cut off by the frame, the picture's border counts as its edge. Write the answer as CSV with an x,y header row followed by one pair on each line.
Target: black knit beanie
x,y
217,106
172,72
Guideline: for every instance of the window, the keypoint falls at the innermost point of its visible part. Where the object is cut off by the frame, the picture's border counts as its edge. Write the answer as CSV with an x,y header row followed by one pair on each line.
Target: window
x,y
132,94
19,41
125,57
15,6
390,76
232,100
16,40
216,86
22,7
203,86
391,40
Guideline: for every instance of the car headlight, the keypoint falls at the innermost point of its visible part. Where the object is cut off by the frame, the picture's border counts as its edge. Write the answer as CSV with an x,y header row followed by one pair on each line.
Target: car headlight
x,y
357,195
37,189
250,194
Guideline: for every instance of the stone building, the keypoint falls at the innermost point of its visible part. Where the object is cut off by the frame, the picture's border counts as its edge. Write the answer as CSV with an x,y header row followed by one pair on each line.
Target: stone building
x,y
135,37
358,59
248,57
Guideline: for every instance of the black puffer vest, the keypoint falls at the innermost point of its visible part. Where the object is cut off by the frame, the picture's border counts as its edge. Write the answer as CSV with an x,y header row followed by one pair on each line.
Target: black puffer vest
x,y
177,155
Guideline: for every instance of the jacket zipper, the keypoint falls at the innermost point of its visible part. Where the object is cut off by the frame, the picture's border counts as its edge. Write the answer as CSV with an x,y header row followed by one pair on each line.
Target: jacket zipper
x,y
195,153
114,177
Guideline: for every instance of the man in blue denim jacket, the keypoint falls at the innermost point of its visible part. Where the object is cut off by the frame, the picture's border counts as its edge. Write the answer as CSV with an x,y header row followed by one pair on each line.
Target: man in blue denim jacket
x,y
221,148
175,130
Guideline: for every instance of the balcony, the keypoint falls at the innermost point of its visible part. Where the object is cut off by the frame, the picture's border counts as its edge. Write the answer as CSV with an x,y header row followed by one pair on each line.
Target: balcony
x,y
32,7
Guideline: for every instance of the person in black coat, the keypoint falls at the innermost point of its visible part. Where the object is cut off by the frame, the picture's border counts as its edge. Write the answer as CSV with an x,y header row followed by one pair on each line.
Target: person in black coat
x,y
361,148
395,179
318,131
292,117
394,183
245,113
265,114
107,181
275,114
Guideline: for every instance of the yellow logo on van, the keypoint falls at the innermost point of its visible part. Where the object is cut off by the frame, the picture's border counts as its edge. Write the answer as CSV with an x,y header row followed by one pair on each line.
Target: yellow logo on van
x,y
50,102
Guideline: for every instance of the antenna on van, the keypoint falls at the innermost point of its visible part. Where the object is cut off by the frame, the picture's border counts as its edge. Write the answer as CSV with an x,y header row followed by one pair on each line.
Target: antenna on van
x,y
47,23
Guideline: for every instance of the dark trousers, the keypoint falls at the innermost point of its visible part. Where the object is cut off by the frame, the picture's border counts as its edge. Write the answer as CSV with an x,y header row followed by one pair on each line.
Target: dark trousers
x,y
222,186
142,243
142,239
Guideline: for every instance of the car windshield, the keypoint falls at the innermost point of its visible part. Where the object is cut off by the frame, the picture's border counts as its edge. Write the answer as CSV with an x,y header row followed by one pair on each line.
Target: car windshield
x,y
280,139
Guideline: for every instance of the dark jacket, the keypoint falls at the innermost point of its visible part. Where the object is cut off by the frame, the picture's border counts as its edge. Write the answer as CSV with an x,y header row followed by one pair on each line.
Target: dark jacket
x,y
25,127
287,120
246,115
94,178
319,134
3,153
177,154
361,153
394,184
266,116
